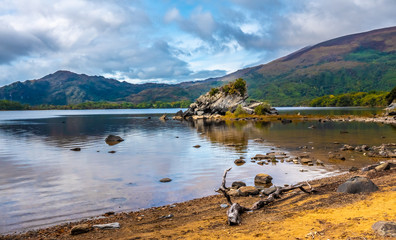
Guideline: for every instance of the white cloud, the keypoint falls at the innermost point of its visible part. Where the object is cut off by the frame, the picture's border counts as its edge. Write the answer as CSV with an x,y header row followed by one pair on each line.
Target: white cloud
x,y
172,15
169,41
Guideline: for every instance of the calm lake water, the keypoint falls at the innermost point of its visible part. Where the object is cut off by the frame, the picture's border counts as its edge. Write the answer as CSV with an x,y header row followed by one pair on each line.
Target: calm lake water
x,y
43,183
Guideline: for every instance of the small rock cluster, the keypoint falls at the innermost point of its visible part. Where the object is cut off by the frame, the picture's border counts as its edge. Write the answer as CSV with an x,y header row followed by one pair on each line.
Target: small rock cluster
x,y
383,151
262,182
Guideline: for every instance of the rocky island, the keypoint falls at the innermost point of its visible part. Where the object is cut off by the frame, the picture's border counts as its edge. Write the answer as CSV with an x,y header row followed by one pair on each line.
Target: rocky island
x,y
229,98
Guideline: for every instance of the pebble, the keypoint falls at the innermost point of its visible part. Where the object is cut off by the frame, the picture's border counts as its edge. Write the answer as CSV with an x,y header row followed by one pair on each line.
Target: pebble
x,y
79,229
223,205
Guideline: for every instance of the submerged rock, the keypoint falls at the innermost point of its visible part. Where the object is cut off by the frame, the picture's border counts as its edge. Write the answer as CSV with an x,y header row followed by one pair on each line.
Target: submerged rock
x,y
164,117
239,162
336,156
357,184
113,139
77,149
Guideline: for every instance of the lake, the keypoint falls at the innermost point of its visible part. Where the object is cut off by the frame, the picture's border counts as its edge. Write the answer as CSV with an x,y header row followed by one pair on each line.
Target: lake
x,y
43,183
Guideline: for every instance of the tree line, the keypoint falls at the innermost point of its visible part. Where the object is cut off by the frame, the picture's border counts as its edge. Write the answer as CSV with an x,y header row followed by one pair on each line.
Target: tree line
x,y
372,99
12,105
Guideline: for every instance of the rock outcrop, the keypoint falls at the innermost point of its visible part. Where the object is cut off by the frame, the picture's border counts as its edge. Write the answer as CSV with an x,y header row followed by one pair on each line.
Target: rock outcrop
x,y
391,109
219,101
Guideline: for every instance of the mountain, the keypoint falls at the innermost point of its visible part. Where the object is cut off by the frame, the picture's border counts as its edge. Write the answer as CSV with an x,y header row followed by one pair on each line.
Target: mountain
x,y
65,87
358,62
353,63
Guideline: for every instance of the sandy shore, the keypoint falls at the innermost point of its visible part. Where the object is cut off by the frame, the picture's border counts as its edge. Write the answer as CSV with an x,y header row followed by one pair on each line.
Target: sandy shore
x,y
297,215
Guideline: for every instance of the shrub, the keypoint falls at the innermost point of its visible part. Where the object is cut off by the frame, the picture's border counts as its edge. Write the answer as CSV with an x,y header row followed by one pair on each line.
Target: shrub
x,y
229,114
239,85
239,111
213,91
262,109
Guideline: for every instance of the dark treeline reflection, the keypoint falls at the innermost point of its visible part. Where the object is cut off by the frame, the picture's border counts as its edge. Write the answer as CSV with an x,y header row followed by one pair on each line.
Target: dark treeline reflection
x,y
68,129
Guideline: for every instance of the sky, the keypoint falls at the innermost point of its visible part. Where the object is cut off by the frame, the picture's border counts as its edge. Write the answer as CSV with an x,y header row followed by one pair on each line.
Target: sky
x,y
166,41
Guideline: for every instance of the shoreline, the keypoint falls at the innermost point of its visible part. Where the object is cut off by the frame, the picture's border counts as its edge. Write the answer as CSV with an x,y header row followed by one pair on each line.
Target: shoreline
x,y
281,117
204,218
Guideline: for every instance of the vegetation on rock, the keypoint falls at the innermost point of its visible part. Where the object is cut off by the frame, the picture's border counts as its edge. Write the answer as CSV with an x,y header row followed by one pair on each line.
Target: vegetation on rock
x,y
237,86
262,109
239,111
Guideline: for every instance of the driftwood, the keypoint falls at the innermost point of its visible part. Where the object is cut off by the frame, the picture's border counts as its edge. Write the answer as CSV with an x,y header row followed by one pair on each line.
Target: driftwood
x,y
235,211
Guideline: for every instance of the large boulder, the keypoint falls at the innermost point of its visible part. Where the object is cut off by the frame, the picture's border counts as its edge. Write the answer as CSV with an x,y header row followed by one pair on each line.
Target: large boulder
x,y
357,184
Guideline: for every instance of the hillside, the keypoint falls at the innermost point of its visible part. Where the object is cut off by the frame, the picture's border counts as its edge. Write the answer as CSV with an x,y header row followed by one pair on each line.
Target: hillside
x,y
356,63
360,62
64,87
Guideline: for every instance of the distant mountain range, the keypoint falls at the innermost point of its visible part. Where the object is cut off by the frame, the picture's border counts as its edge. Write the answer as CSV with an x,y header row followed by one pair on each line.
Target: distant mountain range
x,y
359,62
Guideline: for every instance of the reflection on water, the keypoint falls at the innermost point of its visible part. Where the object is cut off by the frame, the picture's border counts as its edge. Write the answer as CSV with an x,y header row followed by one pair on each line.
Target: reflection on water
x,y
359,111
42,182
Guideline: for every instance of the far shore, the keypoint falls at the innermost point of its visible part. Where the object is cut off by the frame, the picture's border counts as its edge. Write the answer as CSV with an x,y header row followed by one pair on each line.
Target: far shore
x,y
320,118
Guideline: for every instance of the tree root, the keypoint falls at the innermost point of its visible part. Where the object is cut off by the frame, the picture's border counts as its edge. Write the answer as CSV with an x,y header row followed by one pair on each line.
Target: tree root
x,y
235,211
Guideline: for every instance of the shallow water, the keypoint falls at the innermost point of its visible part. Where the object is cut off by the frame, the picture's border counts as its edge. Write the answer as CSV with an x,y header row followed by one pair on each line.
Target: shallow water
x,y
42,182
